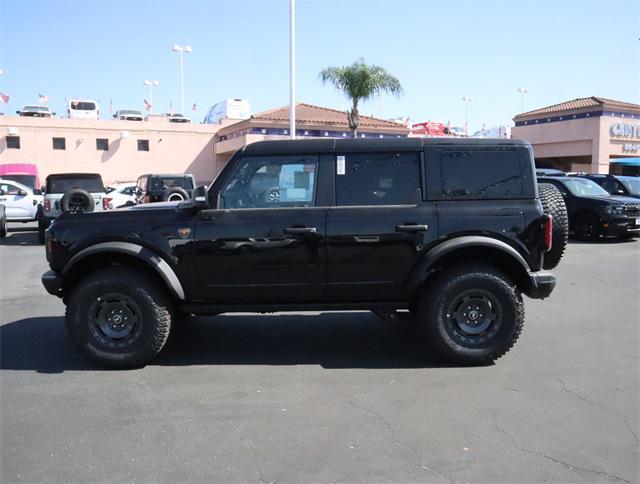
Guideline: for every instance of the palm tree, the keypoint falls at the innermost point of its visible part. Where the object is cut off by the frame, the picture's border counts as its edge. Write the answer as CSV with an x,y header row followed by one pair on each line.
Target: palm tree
x,y
359,82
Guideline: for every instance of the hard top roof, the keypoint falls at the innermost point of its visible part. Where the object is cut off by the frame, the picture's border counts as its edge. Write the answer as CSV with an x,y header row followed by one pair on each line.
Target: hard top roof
x,y
370,145
74,175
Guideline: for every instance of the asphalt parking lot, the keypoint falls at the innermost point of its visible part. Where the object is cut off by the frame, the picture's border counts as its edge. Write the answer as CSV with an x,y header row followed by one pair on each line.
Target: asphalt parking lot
x,y
332,397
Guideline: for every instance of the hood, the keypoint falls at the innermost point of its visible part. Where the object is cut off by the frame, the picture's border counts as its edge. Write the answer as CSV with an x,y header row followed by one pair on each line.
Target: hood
x,y
616,200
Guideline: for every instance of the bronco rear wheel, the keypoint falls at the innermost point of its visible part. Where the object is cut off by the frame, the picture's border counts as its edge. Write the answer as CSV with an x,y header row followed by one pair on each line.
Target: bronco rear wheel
x,y
119,318
473,315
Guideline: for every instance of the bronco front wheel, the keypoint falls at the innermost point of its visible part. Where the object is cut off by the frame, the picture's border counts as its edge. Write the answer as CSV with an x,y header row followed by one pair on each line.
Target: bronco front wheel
x,y
119,318
473,315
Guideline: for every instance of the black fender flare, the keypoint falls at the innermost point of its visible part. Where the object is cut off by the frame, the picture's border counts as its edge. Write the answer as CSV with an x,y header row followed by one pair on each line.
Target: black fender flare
x,y
144,254
420,271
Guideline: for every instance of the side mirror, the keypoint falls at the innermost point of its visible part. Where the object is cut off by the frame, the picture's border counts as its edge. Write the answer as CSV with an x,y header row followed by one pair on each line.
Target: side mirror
x,y
17,112
115,116
53,114
199,197
1,192
42,189
37,191
22,193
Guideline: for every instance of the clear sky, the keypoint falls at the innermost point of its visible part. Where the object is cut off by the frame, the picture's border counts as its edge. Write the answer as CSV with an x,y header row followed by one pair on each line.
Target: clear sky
x,y
440,51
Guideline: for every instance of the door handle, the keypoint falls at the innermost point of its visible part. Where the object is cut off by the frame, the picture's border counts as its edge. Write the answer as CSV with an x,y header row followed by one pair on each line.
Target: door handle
x,y
299,230
411,228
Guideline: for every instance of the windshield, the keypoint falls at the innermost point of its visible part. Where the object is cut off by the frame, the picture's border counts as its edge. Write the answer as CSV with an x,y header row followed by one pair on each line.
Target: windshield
x,y
36,108
582,187
83,106
632,184
61,185
26,180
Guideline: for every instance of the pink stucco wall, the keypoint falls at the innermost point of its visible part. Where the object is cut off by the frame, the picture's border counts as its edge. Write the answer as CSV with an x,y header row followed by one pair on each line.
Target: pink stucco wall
x,y
173,147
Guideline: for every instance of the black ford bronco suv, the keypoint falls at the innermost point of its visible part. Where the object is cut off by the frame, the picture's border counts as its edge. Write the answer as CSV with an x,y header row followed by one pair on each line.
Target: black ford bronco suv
x,y
445,233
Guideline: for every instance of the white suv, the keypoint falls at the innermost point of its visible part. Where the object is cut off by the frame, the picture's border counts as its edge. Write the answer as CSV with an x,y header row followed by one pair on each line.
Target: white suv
x,y
21,204
72,192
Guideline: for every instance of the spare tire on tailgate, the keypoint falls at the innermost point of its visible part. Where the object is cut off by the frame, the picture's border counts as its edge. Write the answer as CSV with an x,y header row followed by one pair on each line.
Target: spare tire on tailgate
x,y
175,194
77,200
553,204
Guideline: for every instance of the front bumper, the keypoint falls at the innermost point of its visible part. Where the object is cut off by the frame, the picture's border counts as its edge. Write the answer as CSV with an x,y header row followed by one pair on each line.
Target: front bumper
x,y
616,226
541,284
52,282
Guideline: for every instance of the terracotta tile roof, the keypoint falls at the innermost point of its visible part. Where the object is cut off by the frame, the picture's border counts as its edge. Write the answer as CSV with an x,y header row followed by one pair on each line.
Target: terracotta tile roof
x,y
310,114
582,104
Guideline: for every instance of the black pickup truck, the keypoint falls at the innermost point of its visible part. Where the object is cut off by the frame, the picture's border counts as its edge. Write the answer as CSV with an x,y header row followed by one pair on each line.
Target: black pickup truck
x,y
445,233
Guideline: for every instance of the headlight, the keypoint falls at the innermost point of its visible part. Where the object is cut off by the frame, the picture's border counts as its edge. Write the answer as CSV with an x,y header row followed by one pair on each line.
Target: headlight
x,y
614,209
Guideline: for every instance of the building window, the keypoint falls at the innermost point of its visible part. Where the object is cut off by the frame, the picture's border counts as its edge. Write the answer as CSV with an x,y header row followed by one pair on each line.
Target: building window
x,y
102,144
13,142
143,145
59,143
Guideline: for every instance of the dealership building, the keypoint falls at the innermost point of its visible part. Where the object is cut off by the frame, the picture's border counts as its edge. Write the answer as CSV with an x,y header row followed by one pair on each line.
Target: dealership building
x,y
592,135
123,150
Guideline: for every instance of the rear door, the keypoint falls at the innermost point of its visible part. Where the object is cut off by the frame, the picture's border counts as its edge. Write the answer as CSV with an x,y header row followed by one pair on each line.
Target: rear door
x,y
378,226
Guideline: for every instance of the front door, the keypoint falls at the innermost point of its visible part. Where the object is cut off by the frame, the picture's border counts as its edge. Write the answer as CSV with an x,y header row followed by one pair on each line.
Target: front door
x,y
379,226
266,241
17,206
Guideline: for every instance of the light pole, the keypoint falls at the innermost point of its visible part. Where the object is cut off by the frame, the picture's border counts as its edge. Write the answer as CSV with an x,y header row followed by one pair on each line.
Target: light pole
x,y
151,85
522,91
467,100
182,49
292,69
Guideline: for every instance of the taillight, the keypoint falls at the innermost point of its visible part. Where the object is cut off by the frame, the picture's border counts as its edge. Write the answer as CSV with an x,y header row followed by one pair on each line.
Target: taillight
x,y
105,203
548,233
47,205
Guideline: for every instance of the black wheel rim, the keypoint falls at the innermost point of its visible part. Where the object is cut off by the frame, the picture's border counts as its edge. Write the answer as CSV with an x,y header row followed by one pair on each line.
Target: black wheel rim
x,y
474,317
115,320
273,196
78,204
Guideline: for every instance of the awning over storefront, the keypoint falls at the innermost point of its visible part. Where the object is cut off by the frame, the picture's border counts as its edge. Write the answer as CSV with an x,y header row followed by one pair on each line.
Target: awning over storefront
x,y
626,161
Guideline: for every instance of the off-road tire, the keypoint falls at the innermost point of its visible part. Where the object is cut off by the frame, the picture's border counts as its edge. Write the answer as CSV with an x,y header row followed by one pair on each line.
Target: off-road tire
x,y
553,204
444,335
154,316
77,200
587,227
175,194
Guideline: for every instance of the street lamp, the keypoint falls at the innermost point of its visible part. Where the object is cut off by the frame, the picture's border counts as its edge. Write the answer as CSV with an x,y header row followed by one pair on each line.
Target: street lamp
x,y
522,91
182,49
292,69
467,100
151,85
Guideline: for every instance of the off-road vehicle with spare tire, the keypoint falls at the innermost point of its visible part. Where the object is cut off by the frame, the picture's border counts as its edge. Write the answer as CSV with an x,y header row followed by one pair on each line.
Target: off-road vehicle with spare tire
x,y
448,234
71,192
165,188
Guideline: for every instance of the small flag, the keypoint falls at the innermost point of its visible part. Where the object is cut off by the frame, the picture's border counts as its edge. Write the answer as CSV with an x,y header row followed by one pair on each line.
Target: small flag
x,y
194,107
4,99
42,99
147,105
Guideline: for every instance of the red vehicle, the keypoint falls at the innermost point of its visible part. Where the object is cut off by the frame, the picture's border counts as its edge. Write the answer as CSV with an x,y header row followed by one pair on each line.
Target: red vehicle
x,y
429,128
24,173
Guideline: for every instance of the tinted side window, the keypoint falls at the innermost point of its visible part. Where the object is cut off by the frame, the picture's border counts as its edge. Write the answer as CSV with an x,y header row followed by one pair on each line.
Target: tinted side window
x,y
480,174
272,181
378,179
